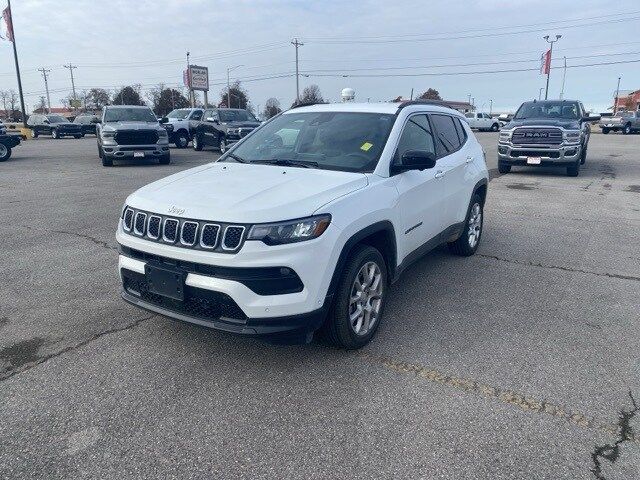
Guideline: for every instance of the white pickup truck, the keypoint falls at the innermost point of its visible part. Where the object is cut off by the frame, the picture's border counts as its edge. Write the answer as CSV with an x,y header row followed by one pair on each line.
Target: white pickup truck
x,y
482,121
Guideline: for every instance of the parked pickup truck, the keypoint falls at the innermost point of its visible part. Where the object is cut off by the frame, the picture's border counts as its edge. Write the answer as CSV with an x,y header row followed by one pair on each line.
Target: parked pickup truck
x,y
7,142
625,122
222,127
180,125
482,121
546,133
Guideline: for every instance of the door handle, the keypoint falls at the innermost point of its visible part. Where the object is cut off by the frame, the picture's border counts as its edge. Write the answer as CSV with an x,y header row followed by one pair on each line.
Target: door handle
x,y
439,174
469,159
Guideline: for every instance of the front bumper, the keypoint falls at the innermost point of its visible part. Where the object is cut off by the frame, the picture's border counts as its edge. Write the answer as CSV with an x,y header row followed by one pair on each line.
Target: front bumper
x,y
549,155
611,126
129,151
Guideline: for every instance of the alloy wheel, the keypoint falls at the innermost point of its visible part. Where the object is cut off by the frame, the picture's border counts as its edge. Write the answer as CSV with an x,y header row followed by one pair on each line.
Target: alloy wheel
x,y
474,225
365,300
223,146
4,151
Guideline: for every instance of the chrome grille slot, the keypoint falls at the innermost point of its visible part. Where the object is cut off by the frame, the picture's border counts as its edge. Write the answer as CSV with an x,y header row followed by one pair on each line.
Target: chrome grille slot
x,y
188,233
140,223
170,231
209,235
153,228
128,219
232,237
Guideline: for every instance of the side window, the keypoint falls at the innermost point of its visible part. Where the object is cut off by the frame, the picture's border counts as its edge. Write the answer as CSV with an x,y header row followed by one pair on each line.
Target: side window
x,y
197,115
207,114
446,133
462,133
417,135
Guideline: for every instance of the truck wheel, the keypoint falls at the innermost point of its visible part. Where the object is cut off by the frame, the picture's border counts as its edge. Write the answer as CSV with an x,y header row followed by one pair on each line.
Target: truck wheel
x,y
626,130
357,310
503,168
77,136
222,146
54,134
573,170
197,143
5,152
583,155
495,127
107,161
182,139
34,133
165,159
605,130
467,244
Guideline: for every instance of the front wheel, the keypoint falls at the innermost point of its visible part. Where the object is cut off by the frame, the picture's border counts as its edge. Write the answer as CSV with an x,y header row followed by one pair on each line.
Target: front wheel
x,y
223,145
107,161
182,140
503,168
495,127
583,155
197,143
467,243
605,130
55,134
627,129
34,133
5,152
573,170
357,310
77,136
165,159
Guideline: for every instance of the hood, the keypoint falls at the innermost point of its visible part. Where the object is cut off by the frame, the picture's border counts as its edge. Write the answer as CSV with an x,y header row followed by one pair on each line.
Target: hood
x,y
544,122
131,126
242,193
616,119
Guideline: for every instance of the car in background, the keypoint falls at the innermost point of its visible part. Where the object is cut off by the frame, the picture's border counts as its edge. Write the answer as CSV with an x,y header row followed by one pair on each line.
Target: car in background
x,y
7,142
55,125
546,133
623,121
482,121
222,127
504,118
87,122
131,132
3,128
180,124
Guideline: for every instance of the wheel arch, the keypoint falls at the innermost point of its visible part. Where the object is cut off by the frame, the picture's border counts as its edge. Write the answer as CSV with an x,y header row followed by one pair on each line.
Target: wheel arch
x,y
481,188
380,235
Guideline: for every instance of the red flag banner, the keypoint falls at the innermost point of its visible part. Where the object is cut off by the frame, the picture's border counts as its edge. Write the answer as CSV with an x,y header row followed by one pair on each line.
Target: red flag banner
x,y
8,33
545,62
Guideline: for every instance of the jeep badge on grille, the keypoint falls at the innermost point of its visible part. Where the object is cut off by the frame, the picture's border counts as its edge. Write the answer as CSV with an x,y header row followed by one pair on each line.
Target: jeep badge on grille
x,y
175,210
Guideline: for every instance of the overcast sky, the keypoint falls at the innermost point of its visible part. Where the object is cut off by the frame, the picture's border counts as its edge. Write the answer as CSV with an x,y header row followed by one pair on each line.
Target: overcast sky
x,y
119,42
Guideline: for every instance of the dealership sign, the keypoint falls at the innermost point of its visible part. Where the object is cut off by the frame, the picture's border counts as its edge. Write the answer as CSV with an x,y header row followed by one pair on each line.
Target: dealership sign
x,y
196,78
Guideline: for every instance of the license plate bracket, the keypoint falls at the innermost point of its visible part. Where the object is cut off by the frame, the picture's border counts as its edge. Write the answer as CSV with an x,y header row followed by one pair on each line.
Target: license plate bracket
x,y
534,160
138,154
168,282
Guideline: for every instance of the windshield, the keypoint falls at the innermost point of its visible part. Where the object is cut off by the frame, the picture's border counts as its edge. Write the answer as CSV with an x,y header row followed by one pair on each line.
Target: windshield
x,y
236,116
129,115
345,141
624,114
57,119
179,114
470,115
564,110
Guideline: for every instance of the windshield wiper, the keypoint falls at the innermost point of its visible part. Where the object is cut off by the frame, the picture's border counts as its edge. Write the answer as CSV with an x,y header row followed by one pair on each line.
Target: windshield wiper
x,y
236,158
287,163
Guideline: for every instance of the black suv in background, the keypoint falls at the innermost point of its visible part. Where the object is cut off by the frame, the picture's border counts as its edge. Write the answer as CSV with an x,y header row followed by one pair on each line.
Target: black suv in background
x,y
222,127
87,122
55,125
551,133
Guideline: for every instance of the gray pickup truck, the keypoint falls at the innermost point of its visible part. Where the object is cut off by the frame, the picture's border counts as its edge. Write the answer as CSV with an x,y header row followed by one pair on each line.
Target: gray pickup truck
x,y
131,132
625,122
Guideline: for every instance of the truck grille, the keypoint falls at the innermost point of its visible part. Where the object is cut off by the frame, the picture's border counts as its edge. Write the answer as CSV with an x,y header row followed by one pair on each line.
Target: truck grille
x,y
535,136
185,233
136,137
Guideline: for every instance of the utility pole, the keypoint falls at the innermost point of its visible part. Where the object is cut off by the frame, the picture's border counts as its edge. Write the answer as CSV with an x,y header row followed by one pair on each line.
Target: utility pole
x,y
490,107
297,44
546,37
229,86
73,85
564,76
191,96
44,72
615,103
11,36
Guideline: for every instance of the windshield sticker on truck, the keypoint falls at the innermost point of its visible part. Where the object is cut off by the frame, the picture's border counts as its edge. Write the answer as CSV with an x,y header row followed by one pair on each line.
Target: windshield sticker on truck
x,y
366,146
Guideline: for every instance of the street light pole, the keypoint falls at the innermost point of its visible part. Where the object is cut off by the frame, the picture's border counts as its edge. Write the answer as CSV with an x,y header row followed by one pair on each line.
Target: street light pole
x,y
564,76
490,107
615,103
546,37
229,85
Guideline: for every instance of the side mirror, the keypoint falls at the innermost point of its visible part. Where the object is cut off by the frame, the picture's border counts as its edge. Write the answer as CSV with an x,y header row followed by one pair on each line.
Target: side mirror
x,y
415,160
164,120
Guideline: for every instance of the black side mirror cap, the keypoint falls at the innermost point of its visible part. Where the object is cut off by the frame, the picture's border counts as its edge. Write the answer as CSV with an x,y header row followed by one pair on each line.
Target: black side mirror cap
x,y
415,160
164,120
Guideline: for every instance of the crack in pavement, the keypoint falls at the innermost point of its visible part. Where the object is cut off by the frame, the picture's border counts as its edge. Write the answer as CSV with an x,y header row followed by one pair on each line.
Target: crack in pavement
x,y
609,452
39,360
557,267
523,402
100,243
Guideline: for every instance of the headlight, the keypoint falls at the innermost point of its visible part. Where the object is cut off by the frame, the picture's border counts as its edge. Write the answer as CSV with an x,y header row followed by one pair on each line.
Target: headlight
x,y
572,135
505,136
291,231
104,134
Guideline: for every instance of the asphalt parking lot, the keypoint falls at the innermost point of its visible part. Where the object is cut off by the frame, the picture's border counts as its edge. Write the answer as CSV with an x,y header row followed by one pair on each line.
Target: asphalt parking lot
x,y
521,362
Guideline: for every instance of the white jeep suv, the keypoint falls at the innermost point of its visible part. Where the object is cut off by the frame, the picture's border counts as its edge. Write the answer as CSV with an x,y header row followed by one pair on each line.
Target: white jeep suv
x,y
305,222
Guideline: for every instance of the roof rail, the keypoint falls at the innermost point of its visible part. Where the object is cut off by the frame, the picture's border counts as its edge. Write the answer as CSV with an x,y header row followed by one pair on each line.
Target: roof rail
x,y
306,104
440,103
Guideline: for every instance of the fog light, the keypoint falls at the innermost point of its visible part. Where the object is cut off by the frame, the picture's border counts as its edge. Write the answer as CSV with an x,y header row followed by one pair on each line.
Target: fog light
x,y
502,150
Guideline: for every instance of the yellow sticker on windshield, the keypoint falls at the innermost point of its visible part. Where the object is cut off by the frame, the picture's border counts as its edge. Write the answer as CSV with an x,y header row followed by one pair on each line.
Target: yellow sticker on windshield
x,y
366,146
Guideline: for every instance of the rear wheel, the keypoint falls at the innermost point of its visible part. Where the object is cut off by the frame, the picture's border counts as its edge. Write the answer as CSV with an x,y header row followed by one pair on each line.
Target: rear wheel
x,y
468,242
54,134
626,130
503,168
197,142
605,130
222,146
34,133
77,136
495,127
357,310
5,152
182,139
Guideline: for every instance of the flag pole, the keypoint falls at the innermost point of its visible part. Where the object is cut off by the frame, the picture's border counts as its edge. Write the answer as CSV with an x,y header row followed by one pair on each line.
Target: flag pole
x,y
15,57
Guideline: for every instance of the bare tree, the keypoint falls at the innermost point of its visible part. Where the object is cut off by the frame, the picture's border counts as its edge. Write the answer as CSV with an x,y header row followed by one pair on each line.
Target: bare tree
x,y
311,94
430,94
12,100
4,95
42,104
271,108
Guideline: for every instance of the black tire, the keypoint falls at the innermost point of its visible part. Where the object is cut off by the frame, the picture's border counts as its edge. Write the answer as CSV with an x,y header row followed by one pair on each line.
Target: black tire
x,y
77,136
222,145
34,133
573,170
495,127
5,153
197,143
605,130
107,161
337,327
464,246
182,139
626,130
503,168
583,155
54,134
165,159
